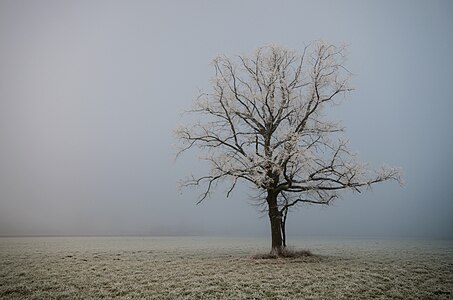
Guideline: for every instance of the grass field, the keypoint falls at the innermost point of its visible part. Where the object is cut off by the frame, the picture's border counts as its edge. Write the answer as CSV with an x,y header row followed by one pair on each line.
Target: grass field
x,y
221,268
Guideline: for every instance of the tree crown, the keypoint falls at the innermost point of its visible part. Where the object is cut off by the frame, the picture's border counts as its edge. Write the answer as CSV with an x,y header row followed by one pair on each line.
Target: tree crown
x,y
263,122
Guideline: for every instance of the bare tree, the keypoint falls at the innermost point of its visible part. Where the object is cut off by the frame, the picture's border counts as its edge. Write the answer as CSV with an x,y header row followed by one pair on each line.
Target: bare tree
x,y
263,123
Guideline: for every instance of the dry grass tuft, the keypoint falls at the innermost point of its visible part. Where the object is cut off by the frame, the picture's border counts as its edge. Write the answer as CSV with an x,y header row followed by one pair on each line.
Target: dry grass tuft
x,y
286,253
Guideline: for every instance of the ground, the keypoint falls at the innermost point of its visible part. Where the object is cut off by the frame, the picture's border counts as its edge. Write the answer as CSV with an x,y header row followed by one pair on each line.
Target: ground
x,y
222,268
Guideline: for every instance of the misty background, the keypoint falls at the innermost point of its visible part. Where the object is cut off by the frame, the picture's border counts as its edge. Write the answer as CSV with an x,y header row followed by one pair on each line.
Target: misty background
x,y
90,92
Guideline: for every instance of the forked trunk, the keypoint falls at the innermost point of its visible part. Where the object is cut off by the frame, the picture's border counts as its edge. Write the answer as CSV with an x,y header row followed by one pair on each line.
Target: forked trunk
x,y
275,219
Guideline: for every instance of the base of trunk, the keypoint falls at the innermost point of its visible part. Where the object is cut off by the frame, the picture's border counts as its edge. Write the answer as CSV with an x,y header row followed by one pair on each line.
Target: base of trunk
x,y
278,251
284,252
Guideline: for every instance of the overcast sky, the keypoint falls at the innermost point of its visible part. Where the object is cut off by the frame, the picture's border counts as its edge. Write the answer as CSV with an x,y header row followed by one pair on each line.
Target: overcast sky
x,y
90,92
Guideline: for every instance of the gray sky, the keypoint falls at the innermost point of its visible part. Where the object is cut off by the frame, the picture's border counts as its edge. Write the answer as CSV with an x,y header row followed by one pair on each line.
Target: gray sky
x,y
90,92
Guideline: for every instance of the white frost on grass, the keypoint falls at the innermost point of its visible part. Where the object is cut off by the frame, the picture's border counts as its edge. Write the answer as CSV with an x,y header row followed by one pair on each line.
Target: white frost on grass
x,y
210,268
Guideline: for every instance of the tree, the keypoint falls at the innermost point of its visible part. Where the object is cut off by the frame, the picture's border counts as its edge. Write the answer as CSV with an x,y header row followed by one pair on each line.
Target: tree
x,y
263,123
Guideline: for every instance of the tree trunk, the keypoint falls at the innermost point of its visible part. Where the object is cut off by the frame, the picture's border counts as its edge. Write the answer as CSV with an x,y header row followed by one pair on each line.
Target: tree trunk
x,y
275,219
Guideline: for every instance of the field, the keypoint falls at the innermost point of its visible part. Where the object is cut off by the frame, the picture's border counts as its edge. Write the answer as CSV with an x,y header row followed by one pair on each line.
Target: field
x,y
222,268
